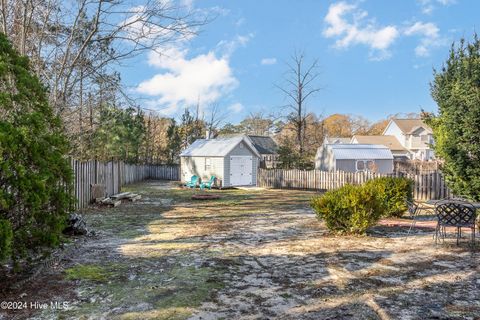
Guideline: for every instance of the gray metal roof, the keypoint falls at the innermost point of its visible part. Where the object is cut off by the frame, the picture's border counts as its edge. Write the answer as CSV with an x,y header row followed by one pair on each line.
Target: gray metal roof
x,y
360,151
218,147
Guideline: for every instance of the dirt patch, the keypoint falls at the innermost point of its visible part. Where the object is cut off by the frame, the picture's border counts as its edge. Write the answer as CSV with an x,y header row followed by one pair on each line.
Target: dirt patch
x,y
255,254
206,196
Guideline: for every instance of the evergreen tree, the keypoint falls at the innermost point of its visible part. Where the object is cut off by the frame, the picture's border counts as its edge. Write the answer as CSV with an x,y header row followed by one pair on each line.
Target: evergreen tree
x,y
34,172
174,144
119,135
190,129
456,127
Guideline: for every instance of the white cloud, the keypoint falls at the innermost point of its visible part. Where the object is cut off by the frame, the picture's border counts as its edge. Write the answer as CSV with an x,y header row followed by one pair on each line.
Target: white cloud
x,y
227,47
427,6
268,61
349,25
236,107
186,81
430,37
239,22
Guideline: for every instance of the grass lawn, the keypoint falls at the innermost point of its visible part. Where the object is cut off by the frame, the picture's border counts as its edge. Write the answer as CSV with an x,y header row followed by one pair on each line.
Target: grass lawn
x,y
253,254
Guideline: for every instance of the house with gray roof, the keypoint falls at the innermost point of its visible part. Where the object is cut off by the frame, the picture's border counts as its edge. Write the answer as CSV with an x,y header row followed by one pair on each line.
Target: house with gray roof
x,y
233,161
268,150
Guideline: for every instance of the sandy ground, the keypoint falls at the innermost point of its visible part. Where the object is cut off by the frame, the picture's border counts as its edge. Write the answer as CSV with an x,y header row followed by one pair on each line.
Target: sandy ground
x,y
253,254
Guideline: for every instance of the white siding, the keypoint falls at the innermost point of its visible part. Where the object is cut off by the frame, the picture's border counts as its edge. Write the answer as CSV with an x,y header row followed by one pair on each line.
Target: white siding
x,y
240,150
196,166
324,159
393,130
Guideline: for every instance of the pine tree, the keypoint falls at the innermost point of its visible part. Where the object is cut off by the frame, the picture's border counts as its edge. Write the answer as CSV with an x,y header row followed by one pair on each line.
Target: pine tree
x,y
174,144
456,128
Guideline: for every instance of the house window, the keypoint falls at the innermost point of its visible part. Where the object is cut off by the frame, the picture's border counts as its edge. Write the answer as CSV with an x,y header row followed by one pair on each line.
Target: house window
x,y
365,165
424,138
360,165
208,163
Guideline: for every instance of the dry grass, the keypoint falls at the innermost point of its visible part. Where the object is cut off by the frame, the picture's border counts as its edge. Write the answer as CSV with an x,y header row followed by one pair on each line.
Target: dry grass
x,y
263,254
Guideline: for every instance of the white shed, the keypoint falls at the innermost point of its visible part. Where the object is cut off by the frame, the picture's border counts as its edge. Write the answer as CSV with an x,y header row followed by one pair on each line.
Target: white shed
x,y
354,158
233,161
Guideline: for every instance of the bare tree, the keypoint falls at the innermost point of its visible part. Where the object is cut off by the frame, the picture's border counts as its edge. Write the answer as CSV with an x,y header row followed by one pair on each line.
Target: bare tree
x,y
75,47
214,118
60,36
258,123
300,85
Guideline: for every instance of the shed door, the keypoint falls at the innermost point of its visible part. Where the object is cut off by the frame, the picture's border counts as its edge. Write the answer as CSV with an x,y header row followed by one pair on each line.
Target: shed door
x,y
241,170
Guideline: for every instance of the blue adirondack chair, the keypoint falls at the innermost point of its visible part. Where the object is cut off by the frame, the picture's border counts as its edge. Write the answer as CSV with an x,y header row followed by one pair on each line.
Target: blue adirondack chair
x,y
193,182
208,184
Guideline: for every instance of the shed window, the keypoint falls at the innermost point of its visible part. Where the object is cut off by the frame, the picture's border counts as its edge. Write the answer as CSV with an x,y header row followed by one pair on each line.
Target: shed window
x,y
365,165
208,163
360,165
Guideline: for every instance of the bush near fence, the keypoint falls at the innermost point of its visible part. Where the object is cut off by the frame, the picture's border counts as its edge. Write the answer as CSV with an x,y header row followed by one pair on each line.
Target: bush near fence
x,y
426,186
394,192
350,209
355,208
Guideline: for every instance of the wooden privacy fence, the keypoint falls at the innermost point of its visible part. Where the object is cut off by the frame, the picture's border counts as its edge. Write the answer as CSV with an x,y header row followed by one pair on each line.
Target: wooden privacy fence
x,y
427,186
113,175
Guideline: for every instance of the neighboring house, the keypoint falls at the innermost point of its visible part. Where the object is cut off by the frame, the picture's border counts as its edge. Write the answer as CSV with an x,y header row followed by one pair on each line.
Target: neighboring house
x,y
232,160
265,146
268,150
399,152
336,140
414,135
354,158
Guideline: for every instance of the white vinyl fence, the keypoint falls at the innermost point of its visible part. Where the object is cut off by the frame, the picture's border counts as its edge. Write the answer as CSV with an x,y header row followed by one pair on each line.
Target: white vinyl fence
x,y
427,186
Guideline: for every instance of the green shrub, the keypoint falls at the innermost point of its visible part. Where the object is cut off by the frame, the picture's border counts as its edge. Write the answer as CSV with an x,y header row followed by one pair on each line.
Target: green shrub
x,y
350,209
394,192
6,235
34,170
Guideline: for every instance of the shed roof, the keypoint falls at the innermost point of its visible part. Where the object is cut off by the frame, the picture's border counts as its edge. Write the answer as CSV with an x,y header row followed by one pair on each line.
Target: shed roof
x,y
389,141
360,151
218,147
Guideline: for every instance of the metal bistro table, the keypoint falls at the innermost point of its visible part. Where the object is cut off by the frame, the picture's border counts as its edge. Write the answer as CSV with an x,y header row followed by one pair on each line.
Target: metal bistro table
x,y
434,202
459,213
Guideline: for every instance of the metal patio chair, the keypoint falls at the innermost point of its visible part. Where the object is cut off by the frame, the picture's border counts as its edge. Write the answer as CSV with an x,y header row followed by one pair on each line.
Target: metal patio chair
x,y
414,210
458,214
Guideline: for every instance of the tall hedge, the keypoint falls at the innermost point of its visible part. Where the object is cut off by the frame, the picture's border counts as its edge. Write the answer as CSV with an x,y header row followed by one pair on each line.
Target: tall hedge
x,y
34,172
456,126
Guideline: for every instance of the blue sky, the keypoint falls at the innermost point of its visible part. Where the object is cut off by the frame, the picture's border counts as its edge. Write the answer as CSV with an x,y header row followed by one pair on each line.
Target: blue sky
x,y
376,57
